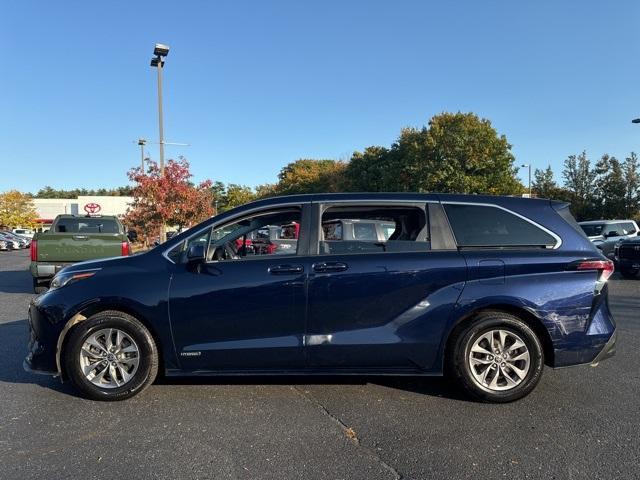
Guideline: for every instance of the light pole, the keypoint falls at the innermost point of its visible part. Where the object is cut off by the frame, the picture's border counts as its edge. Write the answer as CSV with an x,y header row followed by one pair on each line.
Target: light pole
x,y
528,165
160,51
142,142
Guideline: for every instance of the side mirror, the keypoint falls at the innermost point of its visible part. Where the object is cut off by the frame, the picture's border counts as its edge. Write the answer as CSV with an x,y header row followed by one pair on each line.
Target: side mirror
x,y
132,235
196,254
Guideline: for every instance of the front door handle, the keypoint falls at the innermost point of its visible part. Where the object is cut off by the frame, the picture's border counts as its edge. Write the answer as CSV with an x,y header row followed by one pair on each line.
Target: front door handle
x,y
328,267
286,269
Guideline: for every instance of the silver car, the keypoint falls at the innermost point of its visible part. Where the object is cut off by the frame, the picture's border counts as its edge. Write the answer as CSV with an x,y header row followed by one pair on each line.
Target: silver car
x,y
606,233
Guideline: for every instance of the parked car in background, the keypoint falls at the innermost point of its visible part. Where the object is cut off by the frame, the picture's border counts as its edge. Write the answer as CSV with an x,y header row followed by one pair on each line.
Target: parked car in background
x,y
24,242
13,243
73,239
4,246
627,257
485,289
606,233
24,232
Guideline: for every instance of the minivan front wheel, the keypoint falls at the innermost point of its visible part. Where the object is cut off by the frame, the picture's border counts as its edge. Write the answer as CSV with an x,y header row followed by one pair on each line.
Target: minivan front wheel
x,y
497,357
110,356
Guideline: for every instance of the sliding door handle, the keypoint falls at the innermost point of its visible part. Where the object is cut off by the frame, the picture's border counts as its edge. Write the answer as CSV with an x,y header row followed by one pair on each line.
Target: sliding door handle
x,y
286,269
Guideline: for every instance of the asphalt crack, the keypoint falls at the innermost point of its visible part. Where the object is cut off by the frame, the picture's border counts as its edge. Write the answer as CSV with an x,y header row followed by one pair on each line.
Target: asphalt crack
x,y
349,432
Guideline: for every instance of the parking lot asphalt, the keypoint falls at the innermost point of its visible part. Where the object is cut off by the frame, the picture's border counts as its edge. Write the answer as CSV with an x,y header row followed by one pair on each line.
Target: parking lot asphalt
x,y
580,422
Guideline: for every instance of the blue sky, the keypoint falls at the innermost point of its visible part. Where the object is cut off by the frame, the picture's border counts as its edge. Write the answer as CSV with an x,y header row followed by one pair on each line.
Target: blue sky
x,y
254,85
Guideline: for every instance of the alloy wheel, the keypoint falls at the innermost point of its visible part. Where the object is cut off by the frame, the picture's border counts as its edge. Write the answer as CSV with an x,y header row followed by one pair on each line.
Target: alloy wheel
x,y
109,358
499,360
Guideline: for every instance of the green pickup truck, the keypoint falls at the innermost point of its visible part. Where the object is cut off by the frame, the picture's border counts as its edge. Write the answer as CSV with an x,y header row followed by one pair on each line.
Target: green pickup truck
x,y
73,239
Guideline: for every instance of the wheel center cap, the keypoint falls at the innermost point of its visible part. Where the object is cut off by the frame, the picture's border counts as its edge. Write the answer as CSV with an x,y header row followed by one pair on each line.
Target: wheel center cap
x,y
111,357
499,359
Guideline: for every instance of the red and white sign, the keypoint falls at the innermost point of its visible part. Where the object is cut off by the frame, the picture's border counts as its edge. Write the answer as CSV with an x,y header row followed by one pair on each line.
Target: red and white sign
x,y
92,208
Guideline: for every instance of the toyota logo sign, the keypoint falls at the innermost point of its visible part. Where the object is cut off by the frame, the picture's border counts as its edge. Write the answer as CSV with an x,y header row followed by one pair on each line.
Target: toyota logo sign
x,y
92,208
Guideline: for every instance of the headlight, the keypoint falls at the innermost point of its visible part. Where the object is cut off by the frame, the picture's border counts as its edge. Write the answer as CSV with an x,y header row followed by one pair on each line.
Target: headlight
x,y
65,278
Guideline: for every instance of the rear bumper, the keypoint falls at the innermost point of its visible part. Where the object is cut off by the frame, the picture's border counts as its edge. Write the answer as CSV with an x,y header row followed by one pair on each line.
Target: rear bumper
x,y
608,351
46,270
627,264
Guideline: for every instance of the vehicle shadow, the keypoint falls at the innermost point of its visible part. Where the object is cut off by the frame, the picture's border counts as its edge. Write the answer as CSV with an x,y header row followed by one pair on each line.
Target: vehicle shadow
x,y
15,281
14,337
431,386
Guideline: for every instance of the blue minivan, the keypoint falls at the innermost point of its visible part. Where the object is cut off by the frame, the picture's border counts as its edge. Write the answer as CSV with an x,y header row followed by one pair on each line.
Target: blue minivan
x,y
486,290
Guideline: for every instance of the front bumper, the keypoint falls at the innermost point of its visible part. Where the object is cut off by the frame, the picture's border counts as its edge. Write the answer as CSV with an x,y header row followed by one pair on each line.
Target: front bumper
x,y
608,351
41,357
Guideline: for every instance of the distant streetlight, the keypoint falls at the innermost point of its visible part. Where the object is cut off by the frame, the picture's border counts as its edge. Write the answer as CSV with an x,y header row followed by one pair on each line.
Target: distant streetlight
x,y
142,142
528,165
160,51
635,120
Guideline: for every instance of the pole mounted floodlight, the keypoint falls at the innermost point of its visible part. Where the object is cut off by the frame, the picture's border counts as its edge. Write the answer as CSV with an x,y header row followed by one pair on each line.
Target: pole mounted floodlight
x,y
142,142
528,165
161,50
635,120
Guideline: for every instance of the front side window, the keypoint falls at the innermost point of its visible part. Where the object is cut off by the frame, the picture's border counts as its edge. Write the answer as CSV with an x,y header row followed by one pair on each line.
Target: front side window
x,y
487,226
266,233
371,229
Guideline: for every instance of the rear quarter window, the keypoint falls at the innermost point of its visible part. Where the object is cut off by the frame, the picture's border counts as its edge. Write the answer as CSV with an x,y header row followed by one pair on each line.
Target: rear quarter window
x,y
488,226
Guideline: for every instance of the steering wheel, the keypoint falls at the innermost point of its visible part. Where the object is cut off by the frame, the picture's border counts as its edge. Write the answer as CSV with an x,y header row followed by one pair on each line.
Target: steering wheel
x,y
225,252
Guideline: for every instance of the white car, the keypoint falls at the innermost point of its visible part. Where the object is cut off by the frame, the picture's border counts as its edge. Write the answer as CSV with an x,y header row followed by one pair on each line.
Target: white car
x,y
24,232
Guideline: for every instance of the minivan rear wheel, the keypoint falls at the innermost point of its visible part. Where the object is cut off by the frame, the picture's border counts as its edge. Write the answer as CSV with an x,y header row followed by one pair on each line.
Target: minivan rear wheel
x,y
496,357
110,356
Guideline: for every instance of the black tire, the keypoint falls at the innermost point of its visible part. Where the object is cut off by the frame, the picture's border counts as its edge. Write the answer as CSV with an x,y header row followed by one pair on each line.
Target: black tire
x,y
628,272
38,288
458,364
148,356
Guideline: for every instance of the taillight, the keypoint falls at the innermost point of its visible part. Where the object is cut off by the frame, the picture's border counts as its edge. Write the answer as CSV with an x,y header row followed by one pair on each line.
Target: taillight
x,y
124,249
605,267
34,250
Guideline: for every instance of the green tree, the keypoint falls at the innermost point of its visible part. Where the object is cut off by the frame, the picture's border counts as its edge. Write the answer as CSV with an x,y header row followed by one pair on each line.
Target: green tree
x,y
609,194
544,185
237,195
579,181
368,171
49,192
310,176
456,152
631,176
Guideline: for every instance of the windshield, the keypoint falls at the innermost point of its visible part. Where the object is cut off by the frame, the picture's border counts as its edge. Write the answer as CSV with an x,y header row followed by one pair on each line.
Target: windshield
x,y
593,230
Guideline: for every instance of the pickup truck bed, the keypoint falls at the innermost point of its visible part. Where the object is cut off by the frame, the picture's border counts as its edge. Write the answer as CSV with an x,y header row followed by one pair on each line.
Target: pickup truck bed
x,y
73,239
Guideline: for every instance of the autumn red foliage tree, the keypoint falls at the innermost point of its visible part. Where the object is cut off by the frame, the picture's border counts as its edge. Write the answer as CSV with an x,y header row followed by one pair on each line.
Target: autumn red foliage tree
x,y
171,199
